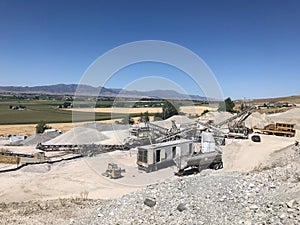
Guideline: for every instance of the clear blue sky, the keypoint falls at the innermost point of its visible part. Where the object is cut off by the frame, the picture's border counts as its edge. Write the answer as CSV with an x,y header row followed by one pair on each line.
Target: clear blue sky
x,y
253,47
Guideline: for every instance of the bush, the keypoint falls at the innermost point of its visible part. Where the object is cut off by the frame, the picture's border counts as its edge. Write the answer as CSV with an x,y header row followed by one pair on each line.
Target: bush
x,y
228,106
204,112
41,127
168,110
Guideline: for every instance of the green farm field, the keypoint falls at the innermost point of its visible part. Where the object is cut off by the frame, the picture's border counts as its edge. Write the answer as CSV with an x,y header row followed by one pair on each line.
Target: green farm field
x,y
37,111
48,111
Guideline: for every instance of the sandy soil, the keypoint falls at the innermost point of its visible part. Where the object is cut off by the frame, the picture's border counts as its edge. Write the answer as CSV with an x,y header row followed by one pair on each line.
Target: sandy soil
x,y
185,109
118,110
69,179
246,155
195,109
29,129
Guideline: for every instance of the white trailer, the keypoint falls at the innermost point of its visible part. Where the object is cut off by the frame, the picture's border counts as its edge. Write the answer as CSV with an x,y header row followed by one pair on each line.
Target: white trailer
x,y
183,153
162,155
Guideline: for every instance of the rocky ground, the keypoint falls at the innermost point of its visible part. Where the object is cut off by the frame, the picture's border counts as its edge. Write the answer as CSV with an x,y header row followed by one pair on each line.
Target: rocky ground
x,y
268,195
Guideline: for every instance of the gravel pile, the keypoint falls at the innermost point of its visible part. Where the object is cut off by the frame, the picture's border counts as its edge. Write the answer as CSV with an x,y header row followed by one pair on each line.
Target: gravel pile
x,y
40,138
257,119
291,116
261,120
102,133
266,196
179,120
88,134
217,117
78,135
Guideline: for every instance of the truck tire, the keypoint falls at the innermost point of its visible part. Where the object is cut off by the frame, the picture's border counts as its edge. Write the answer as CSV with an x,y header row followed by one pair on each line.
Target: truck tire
x,y
216,166
221,165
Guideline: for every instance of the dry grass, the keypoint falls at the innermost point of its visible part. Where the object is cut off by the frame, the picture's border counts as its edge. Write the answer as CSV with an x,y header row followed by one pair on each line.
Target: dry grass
x,y
185,109
274,110
119,110
195,109
295,99
9,159
29,129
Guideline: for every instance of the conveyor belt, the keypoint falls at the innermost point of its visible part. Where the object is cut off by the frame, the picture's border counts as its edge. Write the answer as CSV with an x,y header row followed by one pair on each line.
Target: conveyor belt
x,y
80,149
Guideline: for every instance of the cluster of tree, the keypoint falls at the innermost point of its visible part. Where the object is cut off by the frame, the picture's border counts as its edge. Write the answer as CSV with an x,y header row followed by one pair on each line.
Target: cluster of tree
x,y
19,107
168,110
65,105
148,103
227,105
204,112
144,117
41,127
126,120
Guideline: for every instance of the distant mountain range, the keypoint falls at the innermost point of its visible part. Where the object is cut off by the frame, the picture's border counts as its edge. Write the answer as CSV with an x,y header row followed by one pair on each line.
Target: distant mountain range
x,y
70,89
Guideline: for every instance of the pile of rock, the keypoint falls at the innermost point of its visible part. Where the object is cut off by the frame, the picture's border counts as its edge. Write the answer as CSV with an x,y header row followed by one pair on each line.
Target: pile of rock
x,y
268,196
40,138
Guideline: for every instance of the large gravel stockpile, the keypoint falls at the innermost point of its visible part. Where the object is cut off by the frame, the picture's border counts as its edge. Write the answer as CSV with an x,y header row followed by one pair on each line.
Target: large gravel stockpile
x,y
116,137
90,133
179,120
261,120
257,119
105,126
102,133
290,116
217,117
40,138
78,135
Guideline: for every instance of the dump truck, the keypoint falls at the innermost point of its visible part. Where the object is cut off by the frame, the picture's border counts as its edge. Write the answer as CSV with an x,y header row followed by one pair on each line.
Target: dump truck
x,y
280,129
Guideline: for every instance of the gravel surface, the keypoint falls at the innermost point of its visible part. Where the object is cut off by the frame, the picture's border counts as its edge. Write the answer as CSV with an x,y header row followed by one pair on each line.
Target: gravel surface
x,y
270,196
90,133
259,120
267,195
40,138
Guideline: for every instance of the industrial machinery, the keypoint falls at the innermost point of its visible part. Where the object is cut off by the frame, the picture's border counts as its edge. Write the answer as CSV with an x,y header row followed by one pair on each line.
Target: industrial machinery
x,y
113,171
205,155
201,161
237,128
280,129
161,155
183,153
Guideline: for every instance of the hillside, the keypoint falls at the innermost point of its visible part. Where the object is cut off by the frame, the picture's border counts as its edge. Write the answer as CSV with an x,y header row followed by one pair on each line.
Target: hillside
x,y
70,89
294,99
